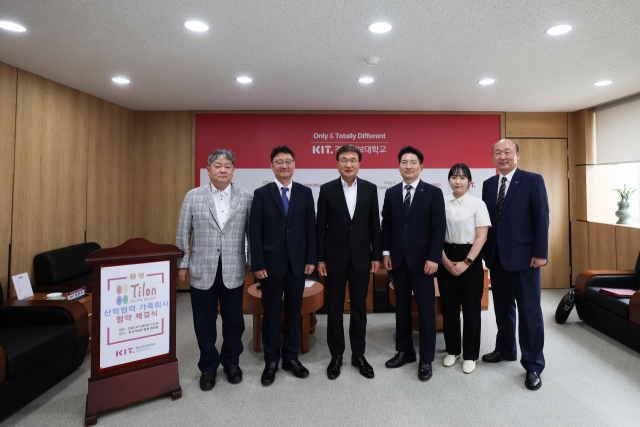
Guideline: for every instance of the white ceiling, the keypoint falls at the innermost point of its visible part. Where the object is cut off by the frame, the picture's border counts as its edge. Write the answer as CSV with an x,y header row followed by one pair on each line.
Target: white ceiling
x,y
308,54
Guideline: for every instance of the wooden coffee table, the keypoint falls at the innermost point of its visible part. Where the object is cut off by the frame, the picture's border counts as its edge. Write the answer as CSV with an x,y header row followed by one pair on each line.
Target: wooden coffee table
x,y
312,301
86,301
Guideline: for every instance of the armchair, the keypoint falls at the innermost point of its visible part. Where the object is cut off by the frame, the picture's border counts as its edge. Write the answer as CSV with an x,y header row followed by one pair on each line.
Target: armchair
x,y
617,317
63,270
41,342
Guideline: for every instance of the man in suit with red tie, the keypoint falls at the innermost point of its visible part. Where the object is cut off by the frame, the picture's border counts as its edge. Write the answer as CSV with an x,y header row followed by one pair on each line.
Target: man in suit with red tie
x,y
413,231
282,227
516,248
348,234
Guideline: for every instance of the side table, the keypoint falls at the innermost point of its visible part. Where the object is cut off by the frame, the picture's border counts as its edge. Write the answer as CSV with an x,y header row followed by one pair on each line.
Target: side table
x,y
312,301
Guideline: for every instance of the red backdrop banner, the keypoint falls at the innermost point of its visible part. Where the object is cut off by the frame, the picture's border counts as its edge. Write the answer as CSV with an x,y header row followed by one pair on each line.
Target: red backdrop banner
x,y
444,139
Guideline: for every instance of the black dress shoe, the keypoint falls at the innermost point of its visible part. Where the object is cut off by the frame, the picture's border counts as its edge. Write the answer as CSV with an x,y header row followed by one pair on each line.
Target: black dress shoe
x,y
333,370
269,373
424,371
361,363
234,374
533,380
208,380
296,367
495,357
400,359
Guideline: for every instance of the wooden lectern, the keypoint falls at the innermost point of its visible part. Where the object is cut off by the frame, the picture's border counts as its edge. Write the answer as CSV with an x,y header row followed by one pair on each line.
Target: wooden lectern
x,y
133,354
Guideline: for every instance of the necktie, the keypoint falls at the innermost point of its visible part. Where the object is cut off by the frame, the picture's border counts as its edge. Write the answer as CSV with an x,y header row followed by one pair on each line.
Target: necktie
x,y
285,201
407,199
501,192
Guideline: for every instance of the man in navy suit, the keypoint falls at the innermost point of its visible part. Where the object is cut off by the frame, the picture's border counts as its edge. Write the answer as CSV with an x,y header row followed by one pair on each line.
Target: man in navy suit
x,y
516,248
413,230
283,242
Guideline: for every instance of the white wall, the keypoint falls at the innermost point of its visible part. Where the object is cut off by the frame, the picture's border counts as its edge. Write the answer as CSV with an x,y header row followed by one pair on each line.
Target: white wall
x,y
618,131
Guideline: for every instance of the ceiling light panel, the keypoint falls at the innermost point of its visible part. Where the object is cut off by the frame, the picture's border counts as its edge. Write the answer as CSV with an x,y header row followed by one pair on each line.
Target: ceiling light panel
x,y
120,80
559,29
365,80
244,79
196,26
603,83
380,27
487,82
12,26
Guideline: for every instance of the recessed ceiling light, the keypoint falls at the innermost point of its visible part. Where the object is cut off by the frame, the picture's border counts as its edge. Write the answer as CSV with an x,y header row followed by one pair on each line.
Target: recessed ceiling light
x,y
365,80
380,27
487,81
12,26
120,80
196,26
558,29
603,83
244,79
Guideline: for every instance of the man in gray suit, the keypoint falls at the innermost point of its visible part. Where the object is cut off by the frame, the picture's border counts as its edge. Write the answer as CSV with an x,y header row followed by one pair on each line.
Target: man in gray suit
x,y
217,216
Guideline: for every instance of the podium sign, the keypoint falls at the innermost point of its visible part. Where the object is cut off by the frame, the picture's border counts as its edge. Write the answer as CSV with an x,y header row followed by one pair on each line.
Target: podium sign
x,y
134,313
133,354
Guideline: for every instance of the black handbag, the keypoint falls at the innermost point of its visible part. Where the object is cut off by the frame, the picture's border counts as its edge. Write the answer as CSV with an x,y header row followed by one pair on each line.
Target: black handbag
x,y
566,305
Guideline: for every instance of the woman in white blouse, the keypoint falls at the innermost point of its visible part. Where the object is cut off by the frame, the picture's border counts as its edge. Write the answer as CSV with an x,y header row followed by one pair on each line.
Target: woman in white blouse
x,y
461,280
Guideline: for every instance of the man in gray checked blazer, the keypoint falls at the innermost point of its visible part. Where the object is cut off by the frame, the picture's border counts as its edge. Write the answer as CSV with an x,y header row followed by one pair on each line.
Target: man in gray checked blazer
x,y
217,216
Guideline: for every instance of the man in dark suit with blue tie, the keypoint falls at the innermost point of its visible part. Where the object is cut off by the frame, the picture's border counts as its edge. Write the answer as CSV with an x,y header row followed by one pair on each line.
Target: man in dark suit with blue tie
x,y
413,231
283,242
516,248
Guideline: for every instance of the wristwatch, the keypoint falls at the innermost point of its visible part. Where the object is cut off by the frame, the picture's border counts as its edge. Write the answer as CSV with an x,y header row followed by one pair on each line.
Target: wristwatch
x,y
468,261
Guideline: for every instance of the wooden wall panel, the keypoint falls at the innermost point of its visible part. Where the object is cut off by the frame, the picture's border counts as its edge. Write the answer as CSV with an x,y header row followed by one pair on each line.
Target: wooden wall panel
x,y
571,160
162,173
585,134
110,171
579,248
8,78
581,193
548,157
627,247
602,246
536,125
50,191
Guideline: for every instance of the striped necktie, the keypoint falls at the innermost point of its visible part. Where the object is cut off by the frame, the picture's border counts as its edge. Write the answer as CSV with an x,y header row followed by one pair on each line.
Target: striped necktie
x,y
407,199
501,192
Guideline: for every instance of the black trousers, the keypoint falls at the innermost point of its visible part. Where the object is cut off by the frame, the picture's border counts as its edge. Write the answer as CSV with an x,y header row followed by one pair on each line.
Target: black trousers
x,y
358,289
405,281
466,290
292,287
523,287
204,304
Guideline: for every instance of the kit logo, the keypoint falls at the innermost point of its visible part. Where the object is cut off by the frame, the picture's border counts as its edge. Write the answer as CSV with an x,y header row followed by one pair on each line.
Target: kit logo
x,y
124,352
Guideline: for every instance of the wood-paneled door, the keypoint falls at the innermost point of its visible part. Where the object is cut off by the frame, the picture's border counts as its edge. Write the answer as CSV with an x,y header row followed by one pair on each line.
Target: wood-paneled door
x,y
548,157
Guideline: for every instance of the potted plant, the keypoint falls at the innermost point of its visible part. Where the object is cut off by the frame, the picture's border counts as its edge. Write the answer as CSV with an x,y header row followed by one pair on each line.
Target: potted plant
x,y
623,205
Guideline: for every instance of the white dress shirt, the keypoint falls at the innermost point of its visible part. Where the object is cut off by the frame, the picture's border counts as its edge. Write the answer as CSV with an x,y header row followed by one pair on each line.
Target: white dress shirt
x,y
412,192
350,195
222,201
280,188
463,216
506,184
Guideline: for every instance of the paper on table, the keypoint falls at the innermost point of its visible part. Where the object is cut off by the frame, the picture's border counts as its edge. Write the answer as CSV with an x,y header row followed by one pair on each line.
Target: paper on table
x,y
22,285
308,283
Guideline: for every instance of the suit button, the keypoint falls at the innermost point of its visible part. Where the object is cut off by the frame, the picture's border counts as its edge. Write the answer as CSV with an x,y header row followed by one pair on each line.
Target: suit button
x,y
405,225
287,231
352,226
218,250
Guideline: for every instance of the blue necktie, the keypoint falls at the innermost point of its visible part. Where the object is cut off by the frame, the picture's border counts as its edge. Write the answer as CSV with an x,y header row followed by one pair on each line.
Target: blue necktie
x,y
285,201
407,199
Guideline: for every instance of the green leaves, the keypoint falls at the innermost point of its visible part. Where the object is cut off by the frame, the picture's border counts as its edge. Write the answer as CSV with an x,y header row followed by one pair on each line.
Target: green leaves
x,y
625,192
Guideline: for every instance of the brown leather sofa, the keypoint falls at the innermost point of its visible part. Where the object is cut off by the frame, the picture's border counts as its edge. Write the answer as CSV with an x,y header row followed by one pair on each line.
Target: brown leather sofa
x,y
617,317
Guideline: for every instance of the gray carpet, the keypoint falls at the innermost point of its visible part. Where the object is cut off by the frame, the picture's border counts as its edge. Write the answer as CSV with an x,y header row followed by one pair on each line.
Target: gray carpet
x,y
590,380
